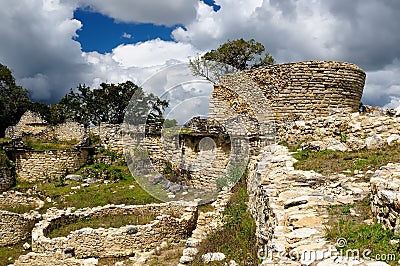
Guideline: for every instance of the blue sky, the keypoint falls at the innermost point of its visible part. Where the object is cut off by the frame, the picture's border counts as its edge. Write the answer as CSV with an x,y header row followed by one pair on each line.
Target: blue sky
x,y
101,33
53,45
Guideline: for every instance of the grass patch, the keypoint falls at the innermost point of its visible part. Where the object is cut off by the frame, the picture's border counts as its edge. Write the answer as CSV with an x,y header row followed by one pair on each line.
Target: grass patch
x,y
125,191
206,208
121,188
108,221
4,142
9,254
237,239
105,171
359,235
330,162
96,194
54,144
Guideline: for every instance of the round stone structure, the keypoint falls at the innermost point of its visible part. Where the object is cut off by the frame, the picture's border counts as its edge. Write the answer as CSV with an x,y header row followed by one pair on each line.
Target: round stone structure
x,y
292,90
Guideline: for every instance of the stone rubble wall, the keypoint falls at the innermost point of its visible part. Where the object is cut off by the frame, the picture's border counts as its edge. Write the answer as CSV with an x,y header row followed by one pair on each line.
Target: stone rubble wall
x,y
7,178
66,131
184,153
289,91
41,165
16,227
32,124
15,198
343,131
289,207
29,123
385,196
110,135
173,223
207,223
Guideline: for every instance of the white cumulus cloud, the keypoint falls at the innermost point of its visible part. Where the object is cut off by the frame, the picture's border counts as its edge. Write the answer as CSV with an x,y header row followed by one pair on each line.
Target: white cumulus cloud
x,y
165,12
151,53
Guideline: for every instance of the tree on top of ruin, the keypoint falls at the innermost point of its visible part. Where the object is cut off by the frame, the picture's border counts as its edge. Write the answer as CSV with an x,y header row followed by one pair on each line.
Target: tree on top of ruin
x,y
230,57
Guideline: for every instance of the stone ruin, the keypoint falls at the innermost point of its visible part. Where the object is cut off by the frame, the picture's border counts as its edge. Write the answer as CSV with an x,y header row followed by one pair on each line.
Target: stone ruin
x,y
314,102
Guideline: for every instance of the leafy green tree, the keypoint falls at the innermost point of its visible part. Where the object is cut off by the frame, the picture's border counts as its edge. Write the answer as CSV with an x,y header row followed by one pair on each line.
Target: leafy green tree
x,y
231,56
170,123
14,100
108,103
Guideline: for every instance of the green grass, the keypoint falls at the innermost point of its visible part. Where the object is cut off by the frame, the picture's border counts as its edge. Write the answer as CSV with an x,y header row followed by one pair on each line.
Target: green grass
x,y
55,144
105,171
99,194
4,141
12,252
331,162
176,130
114,221
121,188
237,239
359,235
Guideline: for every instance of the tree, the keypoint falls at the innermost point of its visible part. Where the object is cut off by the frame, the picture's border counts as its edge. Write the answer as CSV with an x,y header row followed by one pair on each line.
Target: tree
x,y
231,56
170,123
108,104
14,100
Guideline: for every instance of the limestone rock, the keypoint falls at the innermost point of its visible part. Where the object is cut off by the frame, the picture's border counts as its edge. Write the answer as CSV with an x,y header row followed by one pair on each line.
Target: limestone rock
x,y
74,177
374,141
295,202
209,257
393,139
337,146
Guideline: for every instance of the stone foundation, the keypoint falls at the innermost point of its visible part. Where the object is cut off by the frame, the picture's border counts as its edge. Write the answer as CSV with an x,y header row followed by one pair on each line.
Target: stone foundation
x,y
173,223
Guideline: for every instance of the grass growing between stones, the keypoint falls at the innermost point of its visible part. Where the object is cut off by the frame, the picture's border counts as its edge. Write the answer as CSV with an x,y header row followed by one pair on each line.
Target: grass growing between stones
x,y
348,222
10,253
106,221
17,208
237,239
331,162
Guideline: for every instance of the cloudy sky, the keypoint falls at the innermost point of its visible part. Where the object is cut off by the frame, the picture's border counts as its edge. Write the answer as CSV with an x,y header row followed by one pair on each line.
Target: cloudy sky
x,y
53,45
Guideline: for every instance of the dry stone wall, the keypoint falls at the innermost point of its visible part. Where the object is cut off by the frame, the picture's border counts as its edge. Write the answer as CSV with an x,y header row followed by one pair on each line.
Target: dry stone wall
x,y
16,227
343,131
29,123
385,196
290,209
185,154
39,165
290,91
32,124
173,223
110,135
7,178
